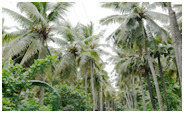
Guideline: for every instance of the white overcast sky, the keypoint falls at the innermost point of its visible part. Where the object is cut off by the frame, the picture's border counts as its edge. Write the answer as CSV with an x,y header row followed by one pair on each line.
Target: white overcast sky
x,y
83,11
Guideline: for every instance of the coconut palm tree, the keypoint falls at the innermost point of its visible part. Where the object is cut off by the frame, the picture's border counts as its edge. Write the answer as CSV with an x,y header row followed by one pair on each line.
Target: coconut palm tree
x,y
37,30
128,67
89,58
68,50
162,49
80,48
136,25
175,29
177,40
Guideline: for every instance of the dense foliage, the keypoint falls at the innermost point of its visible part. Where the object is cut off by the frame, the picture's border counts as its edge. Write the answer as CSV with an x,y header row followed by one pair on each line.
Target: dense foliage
x,y
15,81
71,98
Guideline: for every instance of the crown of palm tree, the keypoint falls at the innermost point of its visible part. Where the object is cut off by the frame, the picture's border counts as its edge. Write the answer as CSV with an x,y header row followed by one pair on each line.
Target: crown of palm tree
x,y
36,22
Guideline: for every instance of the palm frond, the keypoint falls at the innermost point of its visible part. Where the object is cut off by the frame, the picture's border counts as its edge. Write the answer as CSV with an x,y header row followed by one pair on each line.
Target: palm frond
x,y
58,41
42,7
58,10
8,37
156,29
17,46
31,11
31,51
84,61
158,16
113,5
23,21
67,66
43,52
154,5
122,7
112,19
46,85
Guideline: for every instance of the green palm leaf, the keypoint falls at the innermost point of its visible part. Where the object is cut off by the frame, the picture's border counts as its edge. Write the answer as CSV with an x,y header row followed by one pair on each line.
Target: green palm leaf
x,y
23,21
31,11
17,46
46,85
58,10
67,66
113,19
158,16
31,51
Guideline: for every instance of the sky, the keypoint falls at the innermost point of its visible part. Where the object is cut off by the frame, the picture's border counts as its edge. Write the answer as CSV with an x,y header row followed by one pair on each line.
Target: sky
x,y
83,11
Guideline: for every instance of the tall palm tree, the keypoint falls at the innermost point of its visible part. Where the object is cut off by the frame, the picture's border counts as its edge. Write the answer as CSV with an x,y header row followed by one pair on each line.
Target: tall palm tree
x,y
161,51
177,39
136,25
89,58
175,31
128,66
37,30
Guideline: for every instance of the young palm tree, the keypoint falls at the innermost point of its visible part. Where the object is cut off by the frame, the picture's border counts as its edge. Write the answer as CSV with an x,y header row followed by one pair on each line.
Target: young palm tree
x,y
136,25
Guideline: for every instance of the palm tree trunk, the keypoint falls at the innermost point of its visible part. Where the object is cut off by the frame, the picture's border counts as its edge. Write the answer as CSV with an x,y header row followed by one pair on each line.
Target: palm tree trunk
x,y
73,83
108,104
92,87
96,96
105,104
177,41
27,95
86,83
129,97
131,100
163,81
143,96
101,95
134,92
127,101
42,77
155,80
149,88
41,95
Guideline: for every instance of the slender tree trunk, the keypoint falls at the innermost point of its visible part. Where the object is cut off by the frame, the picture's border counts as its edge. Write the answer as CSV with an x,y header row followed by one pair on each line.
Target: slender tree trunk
x,y
42,76
27,95
105,104
108,104
177,41
129,98
143,96
149,88
113,106
86,83
134,92
96,97
41,95
101,95
163,82
73,83
155,80
92,88
127,101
